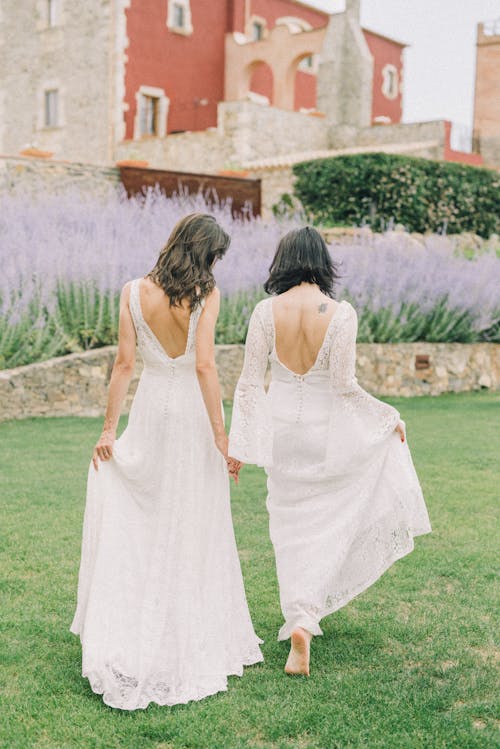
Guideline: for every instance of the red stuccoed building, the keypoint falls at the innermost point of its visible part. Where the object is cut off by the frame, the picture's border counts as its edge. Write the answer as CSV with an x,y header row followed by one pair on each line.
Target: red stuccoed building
x,y
179,65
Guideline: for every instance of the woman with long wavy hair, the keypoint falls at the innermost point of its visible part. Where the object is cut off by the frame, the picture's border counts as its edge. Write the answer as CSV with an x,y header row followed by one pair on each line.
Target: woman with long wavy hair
x,y
162,614
344,500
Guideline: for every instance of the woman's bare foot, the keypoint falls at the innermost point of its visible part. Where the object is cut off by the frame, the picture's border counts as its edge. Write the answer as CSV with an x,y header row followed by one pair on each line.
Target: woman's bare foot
x,y
298,660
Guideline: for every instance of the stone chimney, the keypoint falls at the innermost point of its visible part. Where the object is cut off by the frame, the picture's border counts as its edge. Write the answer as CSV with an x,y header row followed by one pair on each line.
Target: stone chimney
x,y
353,9
345,76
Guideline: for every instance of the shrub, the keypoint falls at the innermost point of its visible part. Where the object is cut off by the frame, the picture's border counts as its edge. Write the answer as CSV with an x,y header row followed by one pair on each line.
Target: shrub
x,y
379,189
65,258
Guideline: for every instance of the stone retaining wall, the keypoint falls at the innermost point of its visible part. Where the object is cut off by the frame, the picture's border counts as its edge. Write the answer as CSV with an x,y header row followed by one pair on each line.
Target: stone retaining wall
x,y
34,176
77,384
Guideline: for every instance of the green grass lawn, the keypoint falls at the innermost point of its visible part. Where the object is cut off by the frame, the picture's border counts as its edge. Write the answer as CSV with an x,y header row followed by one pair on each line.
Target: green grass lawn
x,y
409,663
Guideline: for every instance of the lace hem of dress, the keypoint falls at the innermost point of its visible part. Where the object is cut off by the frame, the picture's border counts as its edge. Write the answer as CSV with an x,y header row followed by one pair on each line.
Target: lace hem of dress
x,y
398,546
123,692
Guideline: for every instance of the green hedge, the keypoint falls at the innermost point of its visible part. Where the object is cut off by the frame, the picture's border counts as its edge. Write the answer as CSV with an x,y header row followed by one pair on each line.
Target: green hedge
x,y
421,194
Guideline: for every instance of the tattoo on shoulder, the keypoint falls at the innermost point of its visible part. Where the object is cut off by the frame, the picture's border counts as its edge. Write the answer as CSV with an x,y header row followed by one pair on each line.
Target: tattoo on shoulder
x,y
323,307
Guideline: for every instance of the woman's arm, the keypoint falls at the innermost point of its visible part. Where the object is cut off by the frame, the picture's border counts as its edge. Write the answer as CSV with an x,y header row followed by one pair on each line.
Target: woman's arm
x,y
123,369
251,437
207,371
343,378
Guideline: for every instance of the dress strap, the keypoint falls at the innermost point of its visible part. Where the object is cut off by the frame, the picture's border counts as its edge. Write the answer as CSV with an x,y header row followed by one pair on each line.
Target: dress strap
x,y
135,303
193,325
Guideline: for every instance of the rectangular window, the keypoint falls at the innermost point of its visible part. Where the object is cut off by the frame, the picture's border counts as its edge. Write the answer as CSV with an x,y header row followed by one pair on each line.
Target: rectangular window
x,y
51,12
149,115
51,117
257,31
179,16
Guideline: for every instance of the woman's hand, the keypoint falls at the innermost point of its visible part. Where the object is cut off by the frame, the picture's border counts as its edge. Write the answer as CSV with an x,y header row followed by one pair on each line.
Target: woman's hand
x,y
234,467
104,448
400,429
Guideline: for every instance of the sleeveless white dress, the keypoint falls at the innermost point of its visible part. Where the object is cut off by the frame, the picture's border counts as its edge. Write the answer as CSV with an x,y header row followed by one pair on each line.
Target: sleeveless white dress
x,y
344,500
162,613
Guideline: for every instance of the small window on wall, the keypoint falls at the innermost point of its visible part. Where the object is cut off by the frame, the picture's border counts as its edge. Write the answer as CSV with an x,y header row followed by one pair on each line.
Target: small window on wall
x,y
257,31
151,112
256,28
51,13
390,81
149,120
51,110
179,16
308,64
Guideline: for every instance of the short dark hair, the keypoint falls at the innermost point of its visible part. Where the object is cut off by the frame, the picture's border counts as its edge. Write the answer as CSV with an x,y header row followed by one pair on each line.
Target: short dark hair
x,y
302,255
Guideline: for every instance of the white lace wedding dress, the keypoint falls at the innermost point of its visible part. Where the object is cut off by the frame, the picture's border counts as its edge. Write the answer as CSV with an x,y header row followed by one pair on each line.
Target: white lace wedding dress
x,y
162,613
344,500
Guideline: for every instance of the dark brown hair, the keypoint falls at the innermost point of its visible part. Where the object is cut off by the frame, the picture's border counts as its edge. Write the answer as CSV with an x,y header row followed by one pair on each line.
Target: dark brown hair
x,y
302,255
184,266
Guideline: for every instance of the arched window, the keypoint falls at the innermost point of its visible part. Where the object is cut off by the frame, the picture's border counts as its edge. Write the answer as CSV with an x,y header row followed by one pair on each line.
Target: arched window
x,y
390,81
256,29
295,25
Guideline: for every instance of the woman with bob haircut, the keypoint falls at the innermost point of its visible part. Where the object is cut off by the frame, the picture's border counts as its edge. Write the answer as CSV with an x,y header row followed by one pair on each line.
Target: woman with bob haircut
x,y
162,614
344,500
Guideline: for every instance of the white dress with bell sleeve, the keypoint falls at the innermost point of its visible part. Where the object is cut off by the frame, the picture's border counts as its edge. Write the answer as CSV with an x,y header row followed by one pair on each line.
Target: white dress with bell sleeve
x,y
344,500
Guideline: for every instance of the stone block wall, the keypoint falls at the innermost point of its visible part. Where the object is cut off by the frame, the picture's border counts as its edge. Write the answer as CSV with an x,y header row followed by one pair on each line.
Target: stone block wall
x,y
246,131
258,131
346,66
31,175
77,384
406,369
427,139
274,183
77,55
205,151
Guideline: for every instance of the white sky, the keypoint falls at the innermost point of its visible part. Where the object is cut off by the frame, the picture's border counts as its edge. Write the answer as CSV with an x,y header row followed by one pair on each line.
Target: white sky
x,y
440,63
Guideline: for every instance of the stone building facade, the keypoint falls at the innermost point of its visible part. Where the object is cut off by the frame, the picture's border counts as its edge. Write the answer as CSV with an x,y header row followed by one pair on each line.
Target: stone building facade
x,y
79,79
61,77
487,93
189,85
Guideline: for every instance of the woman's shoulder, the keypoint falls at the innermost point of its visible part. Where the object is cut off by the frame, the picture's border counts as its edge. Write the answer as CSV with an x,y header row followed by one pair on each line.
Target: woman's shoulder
x,y
347,308
262,308
135,283
211,301
127,288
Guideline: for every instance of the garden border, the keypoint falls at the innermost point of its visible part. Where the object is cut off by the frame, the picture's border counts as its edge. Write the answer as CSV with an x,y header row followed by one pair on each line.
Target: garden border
x,y
77,384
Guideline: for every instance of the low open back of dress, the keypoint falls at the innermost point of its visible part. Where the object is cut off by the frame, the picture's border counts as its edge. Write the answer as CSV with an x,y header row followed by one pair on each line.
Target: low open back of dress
x,y
301,357
170,325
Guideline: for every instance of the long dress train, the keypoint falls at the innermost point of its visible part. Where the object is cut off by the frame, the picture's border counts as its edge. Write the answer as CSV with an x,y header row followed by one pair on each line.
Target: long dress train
x,y
162,613
344,500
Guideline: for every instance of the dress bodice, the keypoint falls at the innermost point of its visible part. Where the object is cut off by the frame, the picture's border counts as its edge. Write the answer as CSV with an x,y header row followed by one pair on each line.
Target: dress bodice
x,y
153,354
357,419
318,374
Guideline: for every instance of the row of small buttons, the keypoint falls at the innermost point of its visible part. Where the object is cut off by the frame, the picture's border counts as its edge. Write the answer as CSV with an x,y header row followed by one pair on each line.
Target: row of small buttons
x,y
300,404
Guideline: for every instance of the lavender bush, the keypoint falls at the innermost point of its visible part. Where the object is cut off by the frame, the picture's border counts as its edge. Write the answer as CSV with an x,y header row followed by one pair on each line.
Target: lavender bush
x,y
64,259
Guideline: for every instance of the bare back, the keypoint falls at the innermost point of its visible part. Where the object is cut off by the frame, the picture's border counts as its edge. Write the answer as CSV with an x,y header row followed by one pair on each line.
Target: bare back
x,y
301,318
170,325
